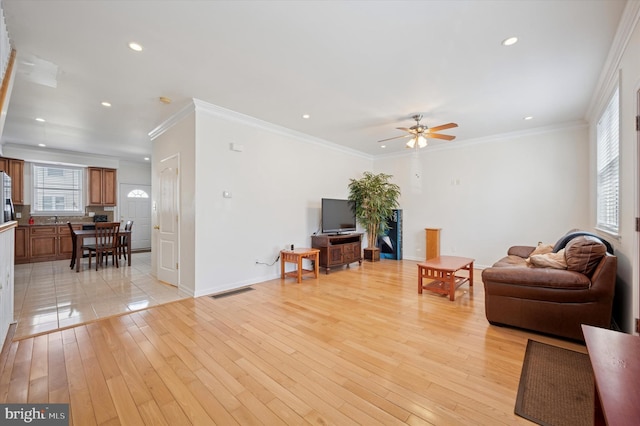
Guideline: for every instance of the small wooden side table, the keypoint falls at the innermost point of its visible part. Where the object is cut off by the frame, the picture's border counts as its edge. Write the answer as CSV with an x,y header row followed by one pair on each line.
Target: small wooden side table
x,y
296,256
442,270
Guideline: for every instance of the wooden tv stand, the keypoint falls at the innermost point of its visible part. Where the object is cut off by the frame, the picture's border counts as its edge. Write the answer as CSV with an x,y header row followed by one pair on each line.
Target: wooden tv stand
x,y
338,250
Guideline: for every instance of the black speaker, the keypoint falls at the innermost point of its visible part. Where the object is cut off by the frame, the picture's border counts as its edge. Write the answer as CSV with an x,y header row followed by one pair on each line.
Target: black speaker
x,y
390,244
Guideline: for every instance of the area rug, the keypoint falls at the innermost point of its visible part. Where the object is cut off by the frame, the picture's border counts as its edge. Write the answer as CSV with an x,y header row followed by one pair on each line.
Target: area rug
x,y
556,386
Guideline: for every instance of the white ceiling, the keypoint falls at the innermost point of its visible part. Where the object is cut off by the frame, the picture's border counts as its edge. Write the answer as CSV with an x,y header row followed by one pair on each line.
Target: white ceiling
x,y
359,68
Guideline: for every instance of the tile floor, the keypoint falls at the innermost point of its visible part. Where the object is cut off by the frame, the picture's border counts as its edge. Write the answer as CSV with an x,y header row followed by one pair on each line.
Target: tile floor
x,y
49,295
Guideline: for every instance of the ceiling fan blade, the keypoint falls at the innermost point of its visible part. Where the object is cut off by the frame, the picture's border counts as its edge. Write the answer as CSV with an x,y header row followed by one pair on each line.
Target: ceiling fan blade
x,y
406,129
396,137
439,136
442,127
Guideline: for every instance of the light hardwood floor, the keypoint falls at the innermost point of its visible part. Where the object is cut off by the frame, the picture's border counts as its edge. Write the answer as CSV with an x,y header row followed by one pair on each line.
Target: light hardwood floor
x,y
357,346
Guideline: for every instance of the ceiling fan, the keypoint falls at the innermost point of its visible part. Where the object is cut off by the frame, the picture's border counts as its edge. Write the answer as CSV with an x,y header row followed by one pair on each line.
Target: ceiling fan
x,y
419,133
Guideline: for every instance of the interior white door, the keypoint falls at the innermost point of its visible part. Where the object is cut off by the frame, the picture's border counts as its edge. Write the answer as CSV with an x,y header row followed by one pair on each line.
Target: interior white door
x,y
168,222
135,205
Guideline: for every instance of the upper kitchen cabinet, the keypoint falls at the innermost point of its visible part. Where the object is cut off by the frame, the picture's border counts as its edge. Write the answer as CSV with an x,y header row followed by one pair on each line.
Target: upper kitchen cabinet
x,y
15,169
102,186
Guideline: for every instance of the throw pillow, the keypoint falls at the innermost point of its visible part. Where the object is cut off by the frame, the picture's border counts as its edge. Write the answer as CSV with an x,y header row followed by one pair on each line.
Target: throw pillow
x,y
542,249
548,260
583,254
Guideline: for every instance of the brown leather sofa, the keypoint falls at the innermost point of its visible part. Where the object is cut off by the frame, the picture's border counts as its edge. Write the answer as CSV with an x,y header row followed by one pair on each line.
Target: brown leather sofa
x,y
553,301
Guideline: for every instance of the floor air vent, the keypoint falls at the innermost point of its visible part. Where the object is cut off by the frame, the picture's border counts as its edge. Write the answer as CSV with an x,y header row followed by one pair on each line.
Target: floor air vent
x,y
231,292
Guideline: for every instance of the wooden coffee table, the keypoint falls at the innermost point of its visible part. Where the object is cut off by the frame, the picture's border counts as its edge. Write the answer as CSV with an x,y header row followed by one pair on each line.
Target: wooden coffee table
x,y
442,270
296,256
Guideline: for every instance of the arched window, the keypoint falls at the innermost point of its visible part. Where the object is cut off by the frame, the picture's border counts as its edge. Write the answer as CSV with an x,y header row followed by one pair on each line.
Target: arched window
x,y
137,193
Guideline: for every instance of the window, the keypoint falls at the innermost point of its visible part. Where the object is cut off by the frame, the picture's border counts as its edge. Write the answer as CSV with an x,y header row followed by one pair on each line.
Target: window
x,y
137,193
57,190
608,160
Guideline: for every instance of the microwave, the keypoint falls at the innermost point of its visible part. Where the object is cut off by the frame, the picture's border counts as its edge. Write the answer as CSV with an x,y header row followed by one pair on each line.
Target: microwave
x,y
8,212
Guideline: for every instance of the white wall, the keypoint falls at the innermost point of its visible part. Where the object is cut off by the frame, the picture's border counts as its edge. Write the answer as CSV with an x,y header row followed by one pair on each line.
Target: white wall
x,y
179,140
626,67
277,182
7,247
134,173
510,190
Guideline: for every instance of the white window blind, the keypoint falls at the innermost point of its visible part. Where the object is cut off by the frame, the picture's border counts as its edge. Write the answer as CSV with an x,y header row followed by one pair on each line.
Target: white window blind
x,y
608,160
57,189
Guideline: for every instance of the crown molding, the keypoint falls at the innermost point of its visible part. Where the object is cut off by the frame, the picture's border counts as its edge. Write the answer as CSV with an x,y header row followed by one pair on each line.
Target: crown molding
x,y
609,73
233,116
172,121
200,106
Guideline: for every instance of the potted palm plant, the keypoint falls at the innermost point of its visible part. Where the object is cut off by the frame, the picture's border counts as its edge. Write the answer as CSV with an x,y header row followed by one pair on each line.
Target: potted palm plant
x,y
374,198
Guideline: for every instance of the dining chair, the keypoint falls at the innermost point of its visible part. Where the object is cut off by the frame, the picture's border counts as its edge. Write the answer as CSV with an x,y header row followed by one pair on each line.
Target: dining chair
x,y
106,243
123,242
74,243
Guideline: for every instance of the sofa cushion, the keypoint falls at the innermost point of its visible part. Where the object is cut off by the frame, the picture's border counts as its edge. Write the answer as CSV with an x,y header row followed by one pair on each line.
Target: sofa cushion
x,y
542,249
548,260
583,254
510,260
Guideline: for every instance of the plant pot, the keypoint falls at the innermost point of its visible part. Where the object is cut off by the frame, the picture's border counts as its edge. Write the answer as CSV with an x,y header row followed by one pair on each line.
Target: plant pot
x,y
372,254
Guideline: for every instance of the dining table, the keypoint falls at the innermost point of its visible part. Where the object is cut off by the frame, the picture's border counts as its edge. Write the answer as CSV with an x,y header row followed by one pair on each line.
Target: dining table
x,y
81,235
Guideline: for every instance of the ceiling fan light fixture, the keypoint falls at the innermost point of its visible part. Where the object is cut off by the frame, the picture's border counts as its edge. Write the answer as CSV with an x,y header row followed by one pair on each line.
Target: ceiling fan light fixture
x,y
411,143
419,133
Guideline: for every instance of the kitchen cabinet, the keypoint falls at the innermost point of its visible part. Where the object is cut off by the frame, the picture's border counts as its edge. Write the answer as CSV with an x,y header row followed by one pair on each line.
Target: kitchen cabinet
x,y
65,242
43,242
102,186
22,245
15,169
50,242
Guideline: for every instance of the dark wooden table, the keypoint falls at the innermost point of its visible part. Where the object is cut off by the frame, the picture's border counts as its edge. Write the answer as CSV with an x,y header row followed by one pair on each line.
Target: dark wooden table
x,y
80,236
615,359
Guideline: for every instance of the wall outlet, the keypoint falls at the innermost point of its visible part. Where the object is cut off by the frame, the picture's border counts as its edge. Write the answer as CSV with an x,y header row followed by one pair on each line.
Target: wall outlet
x,y
18,215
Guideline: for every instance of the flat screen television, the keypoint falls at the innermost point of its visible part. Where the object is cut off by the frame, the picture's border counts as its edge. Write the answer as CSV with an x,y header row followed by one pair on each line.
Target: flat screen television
x,y
338,216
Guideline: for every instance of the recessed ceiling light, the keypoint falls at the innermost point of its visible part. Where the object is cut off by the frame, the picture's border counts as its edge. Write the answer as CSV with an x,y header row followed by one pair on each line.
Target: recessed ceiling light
x,y
383,146
105,104
146,158
42,145
529,117
510,41
40,119
135,46
306,116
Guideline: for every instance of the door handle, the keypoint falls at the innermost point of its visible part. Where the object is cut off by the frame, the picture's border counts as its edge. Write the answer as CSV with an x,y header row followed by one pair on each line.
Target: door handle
x,y
156,227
